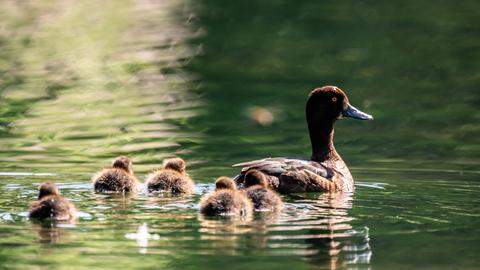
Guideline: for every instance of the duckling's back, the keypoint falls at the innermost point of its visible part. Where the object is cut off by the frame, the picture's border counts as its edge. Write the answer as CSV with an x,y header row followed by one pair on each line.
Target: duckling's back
x,y
263,198
114,180
225,202
166,180
54,206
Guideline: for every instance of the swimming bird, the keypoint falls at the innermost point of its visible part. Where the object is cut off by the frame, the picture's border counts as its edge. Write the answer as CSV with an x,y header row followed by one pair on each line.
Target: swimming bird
x,y
325,170
119,178
225,200
259,193
173,178
51,204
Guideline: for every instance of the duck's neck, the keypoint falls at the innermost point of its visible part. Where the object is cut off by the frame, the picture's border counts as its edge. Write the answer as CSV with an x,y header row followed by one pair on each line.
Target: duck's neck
x,y
321,137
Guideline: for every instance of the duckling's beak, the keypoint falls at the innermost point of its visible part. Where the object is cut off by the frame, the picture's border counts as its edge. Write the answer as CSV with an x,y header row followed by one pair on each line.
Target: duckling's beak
x,y
353,112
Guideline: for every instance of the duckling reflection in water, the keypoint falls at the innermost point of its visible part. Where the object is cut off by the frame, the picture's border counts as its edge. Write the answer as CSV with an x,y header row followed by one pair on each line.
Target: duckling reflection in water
x,y
257,190
173,178
53,232
51,204
118,179
224,236
226,200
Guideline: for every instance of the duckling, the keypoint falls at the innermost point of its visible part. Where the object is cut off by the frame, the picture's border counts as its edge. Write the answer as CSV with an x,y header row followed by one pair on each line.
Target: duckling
x,y
173,178
257,190
119,178
51,204
225,200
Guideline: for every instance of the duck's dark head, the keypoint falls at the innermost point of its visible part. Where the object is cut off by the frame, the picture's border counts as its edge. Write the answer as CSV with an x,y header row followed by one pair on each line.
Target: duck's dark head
x,y
176,164
47,189
224,182
324,106
124,163
330,103
255,177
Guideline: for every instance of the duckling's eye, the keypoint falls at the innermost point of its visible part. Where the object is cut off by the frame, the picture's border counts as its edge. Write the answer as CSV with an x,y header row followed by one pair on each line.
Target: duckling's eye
x,y
334,99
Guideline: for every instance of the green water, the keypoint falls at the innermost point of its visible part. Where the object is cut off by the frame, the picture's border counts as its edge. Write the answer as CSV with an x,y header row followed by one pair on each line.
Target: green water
x,y
84,81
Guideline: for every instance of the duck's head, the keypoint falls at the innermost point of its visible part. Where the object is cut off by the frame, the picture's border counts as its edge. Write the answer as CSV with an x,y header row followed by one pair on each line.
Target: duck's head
x,y
176,164
224,182
329,103
47,189
124,163
255,177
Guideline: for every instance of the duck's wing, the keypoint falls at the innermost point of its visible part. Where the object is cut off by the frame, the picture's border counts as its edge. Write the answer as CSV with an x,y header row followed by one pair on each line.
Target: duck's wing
x,y
278,166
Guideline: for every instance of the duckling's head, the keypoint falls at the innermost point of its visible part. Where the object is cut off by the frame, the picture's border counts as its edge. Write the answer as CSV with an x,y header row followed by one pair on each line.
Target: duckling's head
x,y
47,189
329,103
255,177
224,182
176,164
124,163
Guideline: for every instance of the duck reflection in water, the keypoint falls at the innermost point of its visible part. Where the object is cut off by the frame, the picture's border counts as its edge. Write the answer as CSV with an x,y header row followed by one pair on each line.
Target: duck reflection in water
x,y
332,241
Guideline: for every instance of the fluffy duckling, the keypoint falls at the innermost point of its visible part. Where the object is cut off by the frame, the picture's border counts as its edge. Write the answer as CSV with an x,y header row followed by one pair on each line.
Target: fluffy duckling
x,y
173,178
225,200
257,190
51,204
119,178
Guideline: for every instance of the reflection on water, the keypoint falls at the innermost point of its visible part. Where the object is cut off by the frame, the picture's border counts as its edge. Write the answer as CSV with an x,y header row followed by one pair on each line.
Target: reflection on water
x,y
52,232
324,224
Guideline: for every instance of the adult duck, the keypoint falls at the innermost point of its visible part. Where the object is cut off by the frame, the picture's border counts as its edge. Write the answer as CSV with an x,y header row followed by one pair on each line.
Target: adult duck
x,y
325,170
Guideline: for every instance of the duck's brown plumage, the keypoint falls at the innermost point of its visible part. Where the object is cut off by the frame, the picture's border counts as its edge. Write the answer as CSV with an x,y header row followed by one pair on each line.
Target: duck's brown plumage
x,y
258,191
325,170
173,178
51,204
225,200
119,178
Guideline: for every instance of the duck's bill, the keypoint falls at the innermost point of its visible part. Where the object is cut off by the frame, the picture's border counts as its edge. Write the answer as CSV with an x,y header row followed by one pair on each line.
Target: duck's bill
x,y
353,112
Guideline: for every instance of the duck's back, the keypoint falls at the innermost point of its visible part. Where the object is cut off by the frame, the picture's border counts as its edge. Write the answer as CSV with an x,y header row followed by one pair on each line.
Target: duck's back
x,y
55,207
170,181
114,180
290,175
263,198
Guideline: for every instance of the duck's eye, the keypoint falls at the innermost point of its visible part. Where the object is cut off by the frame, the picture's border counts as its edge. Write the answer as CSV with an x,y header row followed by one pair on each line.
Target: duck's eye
x,y
334,99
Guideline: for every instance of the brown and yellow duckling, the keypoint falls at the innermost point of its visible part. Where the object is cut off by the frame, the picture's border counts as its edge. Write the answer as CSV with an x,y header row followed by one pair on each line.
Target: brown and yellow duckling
x,y
325,170
225,200
257,190
51,204
173,178
118,179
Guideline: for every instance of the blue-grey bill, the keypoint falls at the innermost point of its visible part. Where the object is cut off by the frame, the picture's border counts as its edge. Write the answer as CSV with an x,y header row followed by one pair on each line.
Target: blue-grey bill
x,y
353,112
